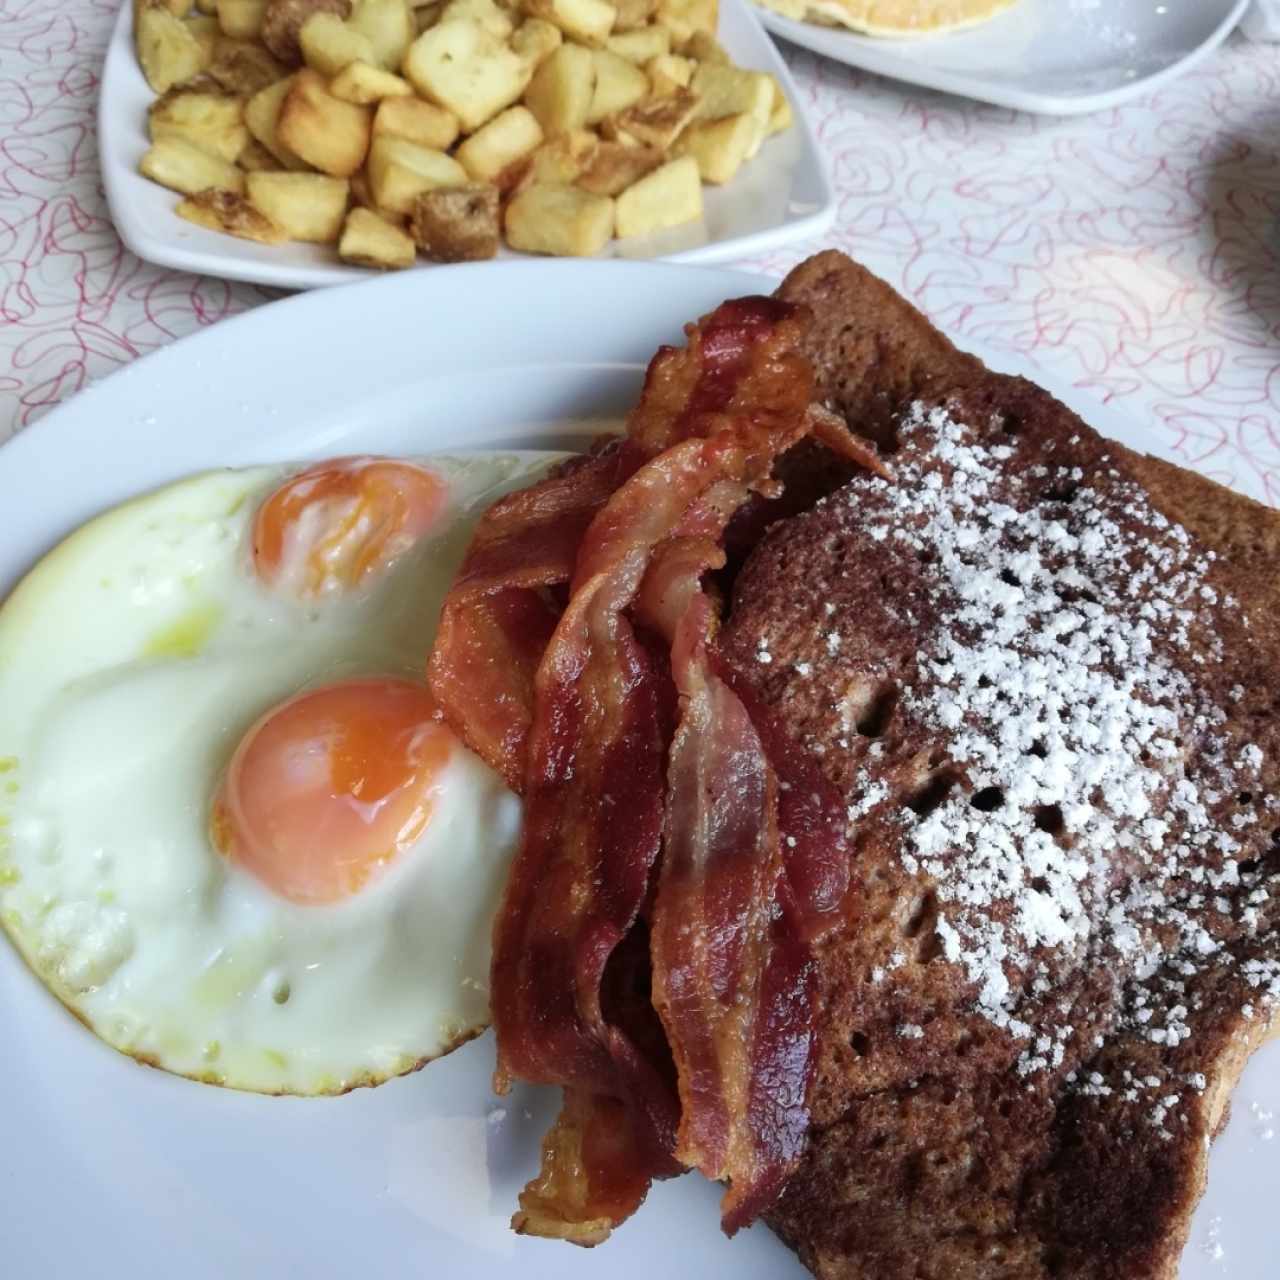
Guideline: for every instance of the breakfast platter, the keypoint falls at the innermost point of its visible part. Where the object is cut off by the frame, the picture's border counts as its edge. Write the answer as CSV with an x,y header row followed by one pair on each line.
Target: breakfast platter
x,y
420,1173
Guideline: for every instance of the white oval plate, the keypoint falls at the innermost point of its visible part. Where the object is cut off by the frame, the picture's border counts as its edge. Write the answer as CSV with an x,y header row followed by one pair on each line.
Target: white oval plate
x,y
784,194
124,1173
1054,57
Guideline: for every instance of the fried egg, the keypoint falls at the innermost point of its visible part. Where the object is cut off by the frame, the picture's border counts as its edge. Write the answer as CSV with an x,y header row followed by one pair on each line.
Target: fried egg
x,y
234,840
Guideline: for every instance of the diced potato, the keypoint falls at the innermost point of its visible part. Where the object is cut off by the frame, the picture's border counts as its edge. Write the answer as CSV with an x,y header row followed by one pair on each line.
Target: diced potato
x,y
536,39
241,19
418,121
562,160
640,46
456,225
255,158
362,84
614,167
170,51
702,46
665,198
491,17
370,241
209,7
656,123
306,206
179,8
780,118
207,34
261,113
182,166
243,66
229,212
619,84
634,14
721,146
464,68
283,20
210,120
329,45
389,26
726,91
400,170
668,74
496,147
562,88
588,21
560,221
684,17
329,134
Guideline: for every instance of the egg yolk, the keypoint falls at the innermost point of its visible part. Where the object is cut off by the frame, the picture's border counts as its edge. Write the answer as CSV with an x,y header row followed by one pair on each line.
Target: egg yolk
x,y
332,525
329,786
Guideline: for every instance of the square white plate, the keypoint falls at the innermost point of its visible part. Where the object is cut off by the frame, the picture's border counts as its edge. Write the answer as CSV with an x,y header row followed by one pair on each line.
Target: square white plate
x,y
784,194
1054,57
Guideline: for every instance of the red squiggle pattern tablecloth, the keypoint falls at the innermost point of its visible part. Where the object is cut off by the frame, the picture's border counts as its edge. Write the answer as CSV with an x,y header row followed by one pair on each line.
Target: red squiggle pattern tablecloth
x,y
1133,253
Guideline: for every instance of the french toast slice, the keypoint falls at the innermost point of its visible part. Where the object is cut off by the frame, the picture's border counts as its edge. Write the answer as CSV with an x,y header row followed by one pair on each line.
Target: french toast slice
x,y
1043,670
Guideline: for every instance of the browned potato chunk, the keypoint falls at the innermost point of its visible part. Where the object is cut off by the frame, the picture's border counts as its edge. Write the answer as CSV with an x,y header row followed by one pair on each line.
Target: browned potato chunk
x,y
362,84
640,46
456,225
182,166
418,121
242,66
614,167
587,21
561,90
211,121
329,134
241,19
634,14
283,19
256,158
560,221
665,198
371,241
306,206
536,40
721,146
561,161
329,45
170,51
389,26
619,84
702,46
658,122
399,171
229,212
495,149
466,69
261,114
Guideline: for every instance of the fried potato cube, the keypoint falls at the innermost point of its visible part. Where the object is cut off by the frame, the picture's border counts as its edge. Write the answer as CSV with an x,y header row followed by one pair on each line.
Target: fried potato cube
x,y
668,74
241,19
536,39
496,147
329,45
562,160
207,34
684,17
667,197
702,46
657,122
389,26
400,170
458,224
640,46
329,134
243,66
282,20
588,21
362,84
170,51
726,91
207,7
306,206
562,88
614,167
634,14
560,221
182,166
255,158
229,212
418,121
619,84
212,121
261,114
780,118
721,146
466,69
370,241
494,19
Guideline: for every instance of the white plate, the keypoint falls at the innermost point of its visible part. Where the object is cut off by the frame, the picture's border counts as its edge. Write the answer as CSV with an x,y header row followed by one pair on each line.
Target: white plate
x,y
120,1172
784,194
1056,57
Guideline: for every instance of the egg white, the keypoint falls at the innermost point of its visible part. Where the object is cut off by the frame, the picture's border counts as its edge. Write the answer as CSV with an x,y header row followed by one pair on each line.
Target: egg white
x,y
132,660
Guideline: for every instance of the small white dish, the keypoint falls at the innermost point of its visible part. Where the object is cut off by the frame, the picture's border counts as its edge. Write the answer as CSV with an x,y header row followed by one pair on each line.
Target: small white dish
x,y
120,1172
784,194
1053,57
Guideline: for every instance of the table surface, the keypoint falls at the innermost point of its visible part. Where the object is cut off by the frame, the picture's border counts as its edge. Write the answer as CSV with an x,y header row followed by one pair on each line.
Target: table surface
x,y
1132,253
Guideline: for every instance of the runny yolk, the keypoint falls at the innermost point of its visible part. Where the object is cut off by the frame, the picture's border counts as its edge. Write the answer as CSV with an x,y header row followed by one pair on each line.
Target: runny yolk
x,y
329,786
332,525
